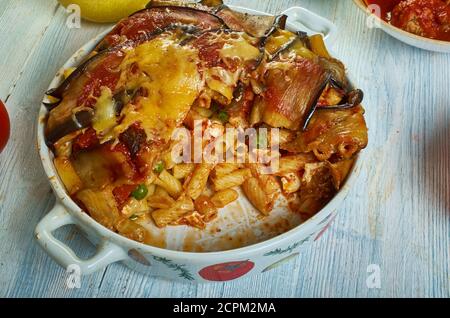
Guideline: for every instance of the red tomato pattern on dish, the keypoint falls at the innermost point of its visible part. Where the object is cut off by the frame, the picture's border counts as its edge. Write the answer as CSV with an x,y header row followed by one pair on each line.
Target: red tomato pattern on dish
x,y
226,271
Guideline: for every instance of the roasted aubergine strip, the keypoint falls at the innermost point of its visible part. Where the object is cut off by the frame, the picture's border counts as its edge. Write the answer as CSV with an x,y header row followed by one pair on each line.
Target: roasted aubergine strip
x,y
313,48
255,25
208,5
292,90
80,93
280,46
158,18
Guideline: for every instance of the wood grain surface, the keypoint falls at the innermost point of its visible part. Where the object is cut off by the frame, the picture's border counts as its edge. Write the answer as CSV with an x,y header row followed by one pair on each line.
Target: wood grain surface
x,y
397,216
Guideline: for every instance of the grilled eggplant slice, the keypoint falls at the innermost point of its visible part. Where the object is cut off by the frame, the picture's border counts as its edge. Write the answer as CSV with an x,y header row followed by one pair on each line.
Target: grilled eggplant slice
x,y
282,44
79,92
255,25
158,18
292,90
206,5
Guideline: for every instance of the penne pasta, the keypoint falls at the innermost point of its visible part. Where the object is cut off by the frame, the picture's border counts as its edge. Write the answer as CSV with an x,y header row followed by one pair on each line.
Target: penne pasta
x,y
225,168
101,205
257,196
182,171
293,163
172,215
171,184
231,180
160,199
206,208
68,175
167,159
199,180
339,171
222,198
132,230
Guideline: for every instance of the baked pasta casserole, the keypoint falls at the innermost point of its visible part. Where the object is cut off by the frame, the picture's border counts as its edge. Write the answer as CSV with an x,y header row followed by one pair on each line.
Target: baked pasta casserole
x,y
147,126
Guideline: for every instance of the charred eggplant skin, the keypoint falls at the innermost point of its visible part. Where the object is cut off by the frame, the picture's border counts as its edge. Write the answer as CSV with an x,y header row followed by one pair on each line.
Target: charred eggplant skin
x,y
182,3
353,99
255,25
76,122
58,92
161,17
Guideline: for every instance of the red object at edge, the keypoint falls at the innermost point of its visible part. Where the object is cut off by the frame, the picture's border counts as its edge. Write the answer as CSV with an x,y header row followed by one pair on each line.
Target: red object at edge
x,y
4,126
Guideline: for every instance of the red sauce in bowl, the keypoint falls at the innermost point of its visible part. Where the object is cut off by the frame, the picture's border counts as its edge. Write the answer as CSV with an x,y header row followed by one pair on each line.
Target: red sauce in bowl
x,y
427,18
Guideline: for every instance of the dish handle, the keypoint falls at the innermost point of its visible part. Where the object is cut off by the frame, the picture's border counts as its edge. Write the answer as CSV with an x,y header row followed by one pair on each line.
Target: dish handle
x,y
310,22
58,217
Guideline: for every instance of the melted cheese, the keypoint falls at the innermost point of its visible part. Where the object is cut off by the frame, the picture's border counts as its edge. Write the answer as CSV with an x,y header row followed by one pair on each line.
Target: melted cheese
x,y
105,116
222,81
277,41
171,79
239,48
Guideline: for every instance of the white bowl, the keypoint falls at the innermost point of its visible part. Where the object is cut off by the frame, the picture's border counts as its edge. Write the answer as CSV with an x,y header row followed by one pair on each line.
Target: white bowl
x,y
184,266
406,37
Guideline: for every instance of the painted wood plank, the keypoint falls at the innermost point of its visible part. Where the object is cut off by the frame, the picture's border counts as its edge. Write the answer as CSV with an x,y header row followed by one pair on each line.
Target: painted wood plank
x,y
397,216
20,167
22,24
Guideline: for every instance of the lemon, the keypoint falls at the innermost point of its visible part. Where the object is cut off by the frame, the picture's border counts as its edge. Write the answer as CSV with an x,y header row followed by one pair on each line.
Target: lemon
x,y
105,11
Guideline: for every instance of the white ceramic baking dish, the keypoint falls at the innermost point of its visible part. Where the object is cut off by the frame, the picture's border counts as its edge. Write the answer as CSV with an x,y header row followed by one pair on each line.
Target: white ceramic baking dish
x,y
172,264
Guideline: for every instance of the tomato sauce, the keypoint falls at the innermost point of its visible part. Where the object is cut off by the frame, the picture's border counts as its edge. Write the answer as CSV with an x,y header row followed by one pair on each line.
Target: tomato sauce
x,y
86,141
122,193
105,74
427,18
4,126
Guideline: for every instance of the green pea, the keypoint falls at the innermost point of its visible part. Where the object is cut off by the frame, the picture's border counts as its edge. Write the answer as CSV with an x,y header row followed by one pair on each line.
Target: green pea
x,y
140,192
223,116
159,167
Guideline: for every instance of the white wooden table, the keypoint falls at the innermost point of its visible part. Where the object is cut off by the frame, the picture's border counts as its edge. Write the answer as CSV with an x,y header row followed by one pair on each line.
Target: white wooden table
x,y
397,217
